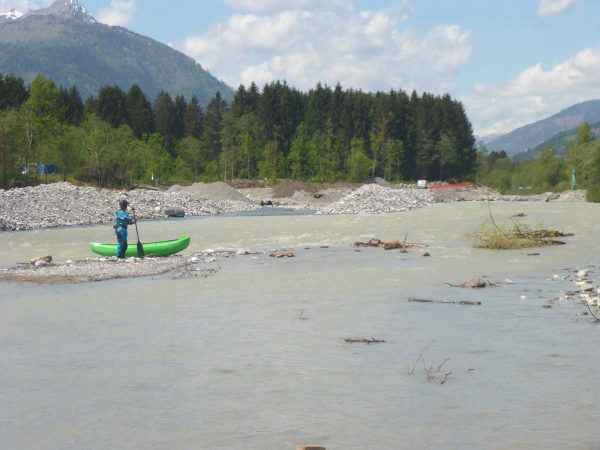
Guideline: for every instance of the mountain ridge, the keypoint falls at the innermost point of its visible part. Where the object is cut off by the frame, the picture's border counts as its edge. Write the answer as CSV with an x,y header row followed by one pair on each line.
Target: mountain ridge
x,y
531,135
558,142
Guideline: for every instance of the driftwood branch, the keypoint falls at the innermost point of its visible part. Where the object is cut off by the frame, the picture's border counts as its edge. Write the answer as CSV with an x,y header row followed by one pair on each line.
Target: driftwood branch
x,y
282,255
390,245
370,340
456,302
473,284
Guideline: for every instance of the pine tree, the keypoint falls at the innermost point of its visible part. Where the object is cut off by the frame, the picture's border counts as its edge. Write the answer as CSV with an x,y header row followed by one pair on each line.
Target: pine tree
x,y
194,118
165,117
139,112
318,108
213,123
71,106
252,98
239,104
111,105
180,108
12,92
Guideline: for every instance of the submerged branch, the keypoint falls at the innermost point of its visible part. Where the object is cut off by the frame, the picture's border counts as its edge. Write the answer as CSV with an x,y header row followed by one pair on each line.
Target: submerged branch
x,y
591,312
370,340
456,302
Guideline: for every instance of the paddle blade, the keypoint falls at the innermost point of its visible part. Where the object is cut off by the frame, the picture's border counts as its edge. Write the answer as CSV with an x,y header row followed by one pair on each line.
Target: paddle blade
x,y
140,249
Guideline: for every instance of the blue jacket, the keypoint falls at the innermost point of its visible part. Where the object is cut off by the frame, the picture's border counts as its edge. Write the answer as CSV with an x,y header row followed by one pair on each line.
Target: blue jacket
x,y
122,219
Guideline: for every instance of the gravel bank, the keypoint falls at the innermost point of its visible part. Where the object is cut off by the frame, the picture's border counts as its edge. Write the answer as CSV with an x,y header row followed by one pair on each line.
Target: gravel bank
x,y
376,199
63,204
98,269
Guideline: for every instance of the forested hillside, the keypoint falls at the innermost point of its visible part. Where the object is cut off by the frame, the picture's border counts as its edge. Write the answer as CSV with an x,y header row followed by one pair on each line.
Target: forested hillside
x,y
123,138
529,136
578,168
557,142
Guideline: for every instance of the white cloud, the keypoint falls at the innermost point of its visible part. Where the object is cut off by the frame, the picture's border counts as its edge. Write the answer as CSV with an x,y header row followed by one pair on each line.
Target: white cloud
x,y
120,12
23,5
535,94
330,42
547,8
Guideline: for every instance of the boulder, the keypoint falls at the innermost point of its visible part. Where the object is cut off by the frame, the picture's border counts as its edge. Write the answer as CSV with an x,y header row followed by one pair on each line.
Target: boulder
x,y
44,259
382,182
174,211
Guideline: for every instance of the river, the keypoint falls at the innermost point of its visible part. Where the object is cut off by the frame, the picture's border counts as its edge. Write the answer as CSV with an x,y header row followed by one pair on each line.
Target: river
x,y
254,357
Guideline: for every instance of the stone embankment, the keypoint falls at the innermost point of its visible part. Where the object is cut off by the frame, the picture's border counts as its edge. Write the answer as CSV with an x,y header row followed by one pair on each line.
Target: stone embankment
x,y
63,204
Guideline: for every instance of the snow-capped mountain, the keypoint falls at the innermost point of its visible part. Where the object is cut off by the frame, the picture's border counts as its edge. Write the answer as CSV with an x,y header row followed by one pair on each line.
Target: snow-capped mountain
x,y
65,8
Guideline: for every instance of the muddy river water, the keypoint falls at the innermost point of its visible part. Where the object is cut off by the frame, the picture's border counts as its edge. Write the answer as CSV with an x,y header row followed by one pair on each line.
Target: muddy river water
x,y
254,357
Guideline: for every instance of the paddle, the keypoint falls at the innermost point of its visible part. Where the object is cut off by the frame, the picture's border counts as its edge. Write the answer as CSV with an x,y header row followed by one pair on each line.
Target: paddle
x,y
140,247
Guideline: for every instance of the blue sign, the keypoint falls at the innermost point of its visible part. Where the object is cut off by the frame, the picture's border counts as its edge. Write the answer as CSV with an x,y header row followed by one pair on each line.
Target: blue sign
x,y
45,169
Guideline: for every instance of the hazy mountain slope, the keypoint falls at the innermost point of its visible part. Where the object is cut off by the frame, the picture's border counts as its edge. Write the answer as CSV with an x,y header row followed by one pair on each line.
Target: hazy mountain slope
x,y
529,136
70,47
558,141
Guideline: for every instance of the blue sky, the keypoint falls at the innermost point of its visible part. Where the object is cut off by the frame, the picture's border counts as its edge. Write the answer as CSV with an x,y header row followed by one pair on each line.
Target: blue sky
x,y
510,62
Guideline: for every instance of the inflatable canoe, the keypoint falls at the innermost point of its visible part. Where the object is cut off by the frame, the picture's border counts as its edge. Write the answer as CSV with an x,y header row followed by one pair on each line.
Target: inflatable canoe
x,y
162,248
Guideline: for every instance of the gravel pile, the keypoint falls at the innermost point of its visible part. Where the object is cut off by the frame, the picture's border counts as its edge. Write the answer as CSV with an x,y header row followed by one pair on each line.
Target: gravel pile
x,y
376,199
62,204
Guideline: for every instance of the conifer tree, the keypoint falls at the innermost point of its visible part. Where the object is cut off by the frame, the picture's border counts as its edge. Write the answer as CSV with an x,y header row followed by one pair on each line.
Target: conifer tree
x,y
213,123
194,118
165,117
180,108
139,112
111,105
12,92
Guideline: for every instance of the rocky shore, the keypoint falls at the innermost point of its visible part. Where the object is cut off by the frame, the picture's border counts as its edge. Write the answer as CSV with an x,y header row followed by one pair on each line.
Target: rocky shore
x,y
98,269
63,204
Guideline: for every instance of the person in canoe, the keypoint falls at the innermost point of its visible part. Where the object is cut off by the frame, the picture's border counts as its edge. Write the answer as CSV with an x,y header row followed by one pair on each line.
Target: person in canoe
x,y
122,220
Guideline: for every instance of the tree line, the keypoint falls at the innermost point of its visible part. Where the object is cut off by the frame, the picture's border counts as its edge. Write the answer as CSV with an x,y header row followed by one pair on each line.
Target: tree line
x,y
122,138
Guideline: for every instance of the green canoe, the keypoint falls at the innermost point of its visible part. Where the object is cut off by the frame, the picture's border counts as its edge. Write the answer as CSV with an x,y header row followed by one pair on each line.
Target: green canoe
x,y
162,248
